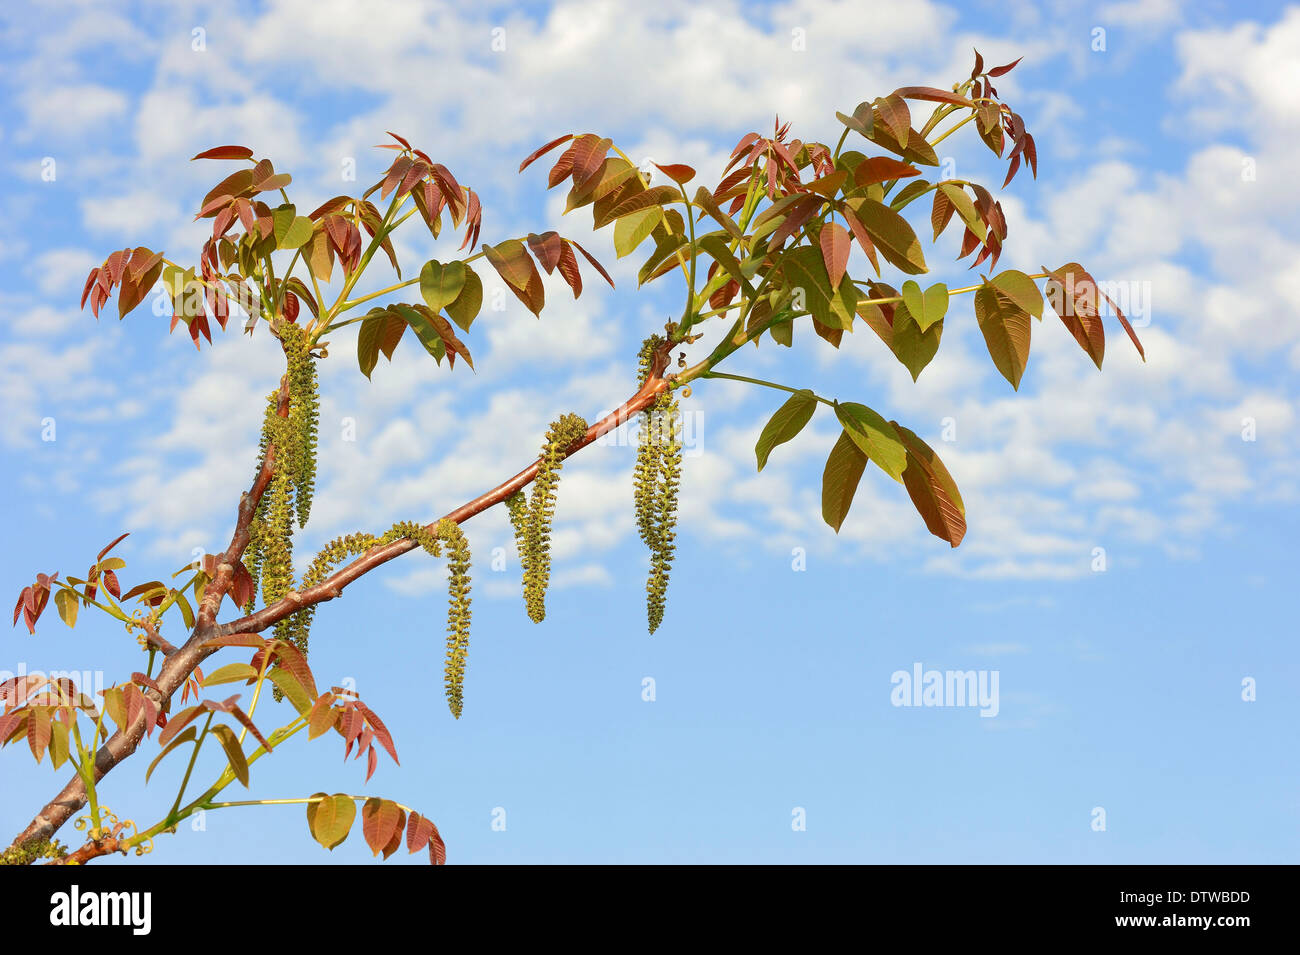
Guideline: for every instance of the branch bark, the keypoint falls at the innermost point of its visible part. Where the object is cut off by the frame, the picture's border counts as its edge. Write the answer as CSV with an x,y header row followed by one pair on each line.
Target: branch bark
x,y
180,664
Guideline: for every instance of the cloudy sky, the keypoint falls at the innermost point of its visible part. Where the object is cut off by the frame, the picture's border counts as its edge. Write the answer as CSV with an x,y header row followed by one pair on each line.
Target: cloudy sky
x,y
1166,133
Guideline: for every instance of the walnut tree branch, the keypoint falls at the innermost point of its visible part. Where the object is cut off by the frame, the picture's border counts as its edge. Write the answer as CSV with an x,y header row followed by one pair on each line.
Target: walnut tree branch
x,y
181,663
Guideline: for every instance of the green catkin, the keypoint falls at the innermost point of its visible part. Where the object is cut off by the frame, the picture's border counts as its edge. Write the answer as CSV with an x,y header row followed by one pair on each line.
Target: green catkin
x,y
643,474
253,553
656,480
458,612
517,507
663,533
32,850
536,553
304,416
458,587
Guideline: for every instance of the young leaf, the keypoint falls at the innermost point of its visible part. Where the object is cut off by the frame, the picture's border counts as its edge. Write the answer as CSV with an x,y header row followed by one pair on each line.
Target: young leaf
x,y
834,241
231,673
840,479
926,307
1077,291
189,736
234,751
379,822
631,230
677,172
542,151
1006,329
891,234
875,436
932,489
330,820
911,344
465,307
440,284
66,602
832,308
882,169
225,152
1019,289
783,426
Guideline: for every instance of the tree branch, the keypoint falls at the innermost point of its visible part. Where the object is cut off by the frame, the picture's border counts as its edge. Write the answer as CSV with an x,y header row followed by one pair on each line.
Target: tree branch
x,y
332,586
179,664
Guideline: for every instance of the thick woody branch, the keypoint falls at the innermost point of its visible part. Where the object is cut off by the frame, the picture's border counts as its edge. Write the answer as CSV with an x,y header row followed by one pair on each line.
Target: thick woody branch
x,y
178,664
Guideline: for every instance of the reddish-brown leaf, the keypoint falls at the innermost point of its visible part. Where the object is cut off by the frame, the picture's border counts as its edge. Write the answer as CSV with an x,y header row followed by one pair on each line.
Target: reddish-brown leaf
x,y
437,848
595,264
547,248
882,169
835,241
542,151
677,172
568,266
932,95
418,831
225,152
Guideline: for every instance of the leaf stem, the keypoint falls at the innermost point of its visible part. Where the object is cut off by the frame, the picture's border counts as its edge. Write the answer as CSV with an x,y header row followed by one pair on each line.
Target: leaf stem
x,y
766,384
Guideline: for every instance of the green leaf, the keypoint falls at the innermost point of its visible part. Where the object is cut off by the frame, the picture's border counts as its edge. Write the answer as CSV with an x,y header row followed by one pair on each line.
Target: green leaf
x,y
330,820
380,330
465,308
230,673
234,751
861,120
891,234
323,716
704,200
788,421
631,230
187,612
1019,289
804,268
666,245
58,750
926,307
512,262
441,284
1006,329
840,479
290,687
875,436
187,737
296,235
932,489
956,196
66,601
912,346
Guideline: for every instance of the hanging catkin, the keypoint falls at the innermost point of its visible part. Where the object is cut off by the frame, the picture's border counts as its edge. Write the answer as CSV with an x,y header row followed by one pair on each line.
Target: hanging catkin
x,y
458,613
656,480
535,555
663,535
304,416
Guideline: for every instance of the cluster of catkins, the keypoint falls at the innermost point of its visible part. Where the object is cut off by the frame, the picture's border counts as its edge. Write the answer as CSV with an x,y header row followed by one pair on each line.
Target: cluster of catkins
x,y
656,481
531,519
269,555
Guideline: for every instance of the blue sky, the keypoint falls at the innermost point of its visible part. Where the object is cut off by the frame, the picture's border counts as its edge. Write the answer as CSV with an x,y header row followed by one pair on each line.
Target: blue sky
x,y
1119,689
